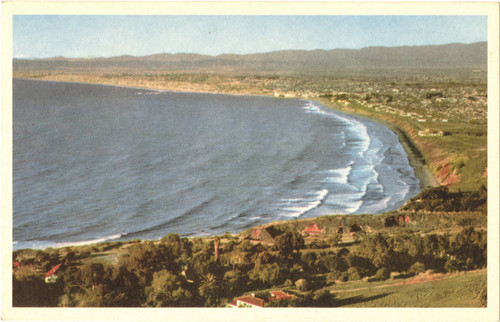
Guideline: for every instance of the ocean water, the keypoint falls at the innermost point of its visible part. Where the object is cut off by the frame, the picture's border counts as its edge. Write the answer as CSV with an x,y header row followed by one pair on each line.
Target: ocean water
x,y
94,163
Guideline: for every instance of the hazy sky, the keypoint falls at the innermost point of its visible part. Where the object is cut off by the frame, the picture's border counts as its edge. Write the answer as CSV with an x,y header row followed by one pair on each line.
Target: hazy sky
x,y
105,36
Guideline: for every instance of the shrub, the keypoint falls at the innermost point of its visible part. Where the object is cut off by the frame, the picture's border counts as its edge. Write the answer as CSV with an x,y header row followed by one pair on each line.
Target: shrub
x,y
265,295
353,274
322,298
382,274
417,268
302,285
331,278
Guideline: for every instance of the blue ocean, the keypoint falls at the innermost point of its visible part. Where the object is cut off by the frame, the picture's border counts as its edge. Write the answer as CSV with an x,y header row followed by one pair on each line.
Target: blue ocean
x,y
94,163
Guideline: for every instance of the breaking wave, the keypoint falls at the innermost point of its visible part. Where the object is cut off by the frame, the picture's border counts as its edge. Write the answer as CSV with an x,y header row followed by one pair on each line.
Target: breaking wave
x,y
39,244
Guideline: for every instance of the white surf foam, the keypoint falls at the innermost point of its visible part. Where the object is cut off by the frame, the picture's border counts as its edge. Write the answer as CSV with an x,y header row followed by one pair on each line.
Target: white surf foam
x,y
311,107
378,206
403,190
340,175
308,204
36,244
356,128
345,203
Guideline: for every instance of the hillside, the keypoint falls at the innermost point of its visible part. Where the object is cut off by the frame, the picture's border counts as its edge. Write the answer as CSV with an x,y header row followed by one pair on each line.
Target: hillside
x,y
400,259
314,62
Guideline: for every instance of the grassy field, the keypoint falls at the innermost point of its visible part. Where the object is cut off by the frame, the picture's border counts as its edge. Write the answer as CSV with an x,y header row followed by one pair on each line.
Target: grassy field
x,y
451,291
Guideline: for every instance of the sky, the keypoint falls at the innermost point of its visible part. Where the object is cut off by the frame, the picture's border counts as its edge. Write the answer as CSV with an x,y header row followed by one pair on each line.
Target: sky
x,y
40,36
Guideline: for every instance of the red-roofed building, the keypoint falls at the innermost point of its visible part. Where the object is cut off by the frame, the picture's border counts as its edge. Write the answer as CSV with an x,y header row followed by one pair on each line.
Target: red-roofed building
x,y
15,264
256,233
313,229
280,295
247,301
253,301
51,277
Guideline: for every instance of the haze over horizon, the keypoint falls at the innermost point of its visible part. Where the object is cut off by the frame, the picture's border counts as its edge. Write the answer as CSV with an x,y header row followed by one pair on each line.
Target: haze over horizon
x,y
110,36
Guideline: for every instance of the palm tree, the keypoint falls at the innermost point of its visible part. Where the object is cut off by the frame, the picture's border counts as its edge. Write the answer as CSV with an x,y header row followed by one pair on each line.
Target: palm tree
x,y
210,289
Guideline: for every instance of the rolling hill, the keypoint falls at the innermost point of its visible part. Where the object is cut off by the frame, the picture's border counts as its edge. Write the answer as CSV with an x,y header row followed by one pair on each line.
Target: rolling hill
x,y
451,56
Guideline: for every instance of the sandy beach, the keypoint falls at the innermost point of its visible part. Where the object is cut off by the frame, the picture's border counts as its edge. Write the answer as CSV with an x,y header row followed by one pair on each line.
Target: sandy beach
x,y
417,160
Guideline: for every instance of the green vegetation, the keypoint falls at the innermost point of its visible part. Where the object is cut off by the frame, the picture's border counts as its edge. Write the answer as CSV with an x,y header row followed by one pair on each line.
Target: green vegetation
x,y
181,272
466,290
441,199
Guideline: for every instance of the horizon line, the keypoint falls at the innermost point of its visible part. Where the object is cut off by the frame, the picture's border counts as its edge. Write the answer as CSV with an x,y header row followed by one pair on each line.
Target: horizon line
x,y
233,54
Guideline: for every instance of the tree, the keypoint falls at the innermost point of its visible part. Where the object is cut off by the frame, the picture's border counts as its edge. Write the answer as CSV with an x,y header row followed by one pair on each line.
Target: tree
x,y
237,256
353,274
377,249
265,295
126,287
279,303
469,248
302,285
267,275
31,291
332,262
89,286
322,298
382,274
335,239
161,291
183,298
417,268
180,248
94,274
390,221
363,265
41,257
145,259
263,258
98,296
289,241
235,282
355,228
211,290
309,260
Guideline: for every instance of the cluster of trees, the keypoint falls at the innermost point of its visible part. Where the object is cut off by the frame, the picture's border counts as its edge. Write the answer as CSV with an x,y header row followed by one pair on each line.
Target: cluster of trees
x,y
183,272
441,199
377,255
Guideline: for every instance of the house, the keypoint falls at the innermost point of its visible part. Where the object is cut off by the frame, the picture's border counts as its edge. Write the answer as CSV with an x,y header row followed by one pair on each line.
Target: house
x,y
429,132
280,295
255,302
313,229
247,301
51,277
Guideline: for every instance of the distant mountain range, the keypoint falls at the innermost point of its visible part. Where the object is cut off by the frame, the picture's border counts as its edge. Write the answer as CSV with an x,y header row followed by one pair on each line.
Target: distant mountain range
x,y
449,56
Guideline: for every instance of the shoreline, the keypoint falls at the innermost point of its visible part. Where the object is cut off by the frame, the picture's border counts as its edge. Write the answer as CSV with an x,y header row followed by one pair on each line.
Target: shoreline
x,y
415,156
416,160
413,151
